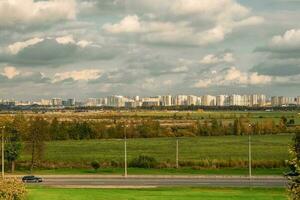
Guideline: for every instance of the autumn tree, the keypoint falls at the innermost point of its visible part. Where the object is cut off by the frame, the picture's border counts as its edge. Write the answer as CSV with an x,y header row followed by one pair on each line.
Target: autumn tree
x,y
36,137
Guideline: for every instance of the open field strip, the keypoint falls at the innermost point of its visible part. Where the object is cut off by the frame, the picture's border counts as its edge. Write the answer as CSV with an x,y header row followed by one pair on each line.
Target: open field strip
x,y
157,193
266,148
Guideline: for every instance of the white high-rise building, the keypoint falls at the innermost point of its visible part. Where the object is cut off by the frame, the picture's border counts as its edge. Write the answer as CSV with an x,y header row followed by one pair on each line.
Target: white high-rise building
x,y
208,100
275,101
151,101
298,100
181,100
166,100
220,100
192,100
245,100
235,100
116,101
56,102
91,102
45,102
258,100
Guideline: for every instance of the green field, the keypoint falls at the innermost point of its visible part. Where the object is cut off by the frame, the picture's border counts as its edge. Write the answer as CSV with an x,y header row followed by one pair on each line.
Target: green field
x,y
221,148
158,193
162,171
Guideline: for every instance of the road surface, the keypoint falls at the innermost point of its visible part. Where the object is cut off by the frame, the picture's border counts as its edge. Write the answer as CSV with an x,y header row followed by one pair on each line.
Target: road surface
x,y
152,181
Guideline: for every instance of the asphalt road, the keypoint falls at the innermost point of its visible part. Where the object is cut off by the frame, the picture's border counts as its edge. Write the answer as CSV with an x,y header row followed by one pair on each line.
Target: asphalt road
x,y
166,181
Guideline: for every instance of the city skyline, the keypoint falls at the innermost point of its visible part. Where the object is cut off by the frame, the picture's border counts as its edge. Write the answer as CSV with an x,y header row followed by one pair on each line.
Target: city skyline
x,y
253,100
95,48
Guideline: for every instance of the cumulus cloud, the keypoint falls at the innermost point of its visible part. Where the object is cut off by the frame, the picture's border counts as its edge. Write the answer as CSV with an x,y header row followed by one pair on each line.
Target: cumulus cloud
x,y
233,76
30,12
81,75
182,22
18,46
215,59
10,72
282,55
290,38
55,51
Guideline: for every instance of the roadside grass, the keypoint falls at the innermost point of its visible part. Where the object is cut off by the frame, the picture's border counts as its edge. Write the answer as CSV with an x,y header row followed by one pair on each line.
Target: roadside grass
x,y
176,193
195,149
163,171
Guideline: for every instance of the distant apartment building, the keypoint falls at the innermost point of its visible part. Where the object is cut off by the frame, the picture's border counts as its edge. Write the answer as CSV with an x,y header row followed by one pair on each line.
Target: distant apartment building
x,y
258,100
91,102
275,101
56,102
235,100
220,100
45,102
181,100
208,100
298,100
192,100
130,103
150,101
101,101
245,100
284,101
166,100
116,101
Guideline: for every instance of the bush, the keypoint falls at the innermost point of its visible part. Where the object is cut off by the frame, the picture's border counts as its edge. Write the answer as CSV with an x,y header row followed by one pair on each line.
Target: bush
x,y
95,164
12,189
144,162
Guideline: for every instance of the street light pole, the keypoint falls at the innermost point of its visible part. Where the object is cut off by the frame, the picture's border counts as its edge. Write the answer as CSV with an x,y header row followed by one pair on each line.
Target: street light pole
x,y
2,153
177,152
125,153
250,153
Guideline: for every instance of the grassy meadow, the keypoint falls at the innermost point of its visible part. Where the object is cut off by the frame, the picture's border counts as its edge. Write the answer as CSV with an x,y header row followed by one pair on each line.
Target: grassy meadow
x,y
157,193
204,150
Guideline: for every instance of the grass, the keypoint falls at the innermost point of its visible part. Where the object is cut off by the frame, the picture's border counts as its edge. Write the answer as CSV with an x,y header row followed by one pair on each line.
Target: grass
x,y
163,171
264,148
157,193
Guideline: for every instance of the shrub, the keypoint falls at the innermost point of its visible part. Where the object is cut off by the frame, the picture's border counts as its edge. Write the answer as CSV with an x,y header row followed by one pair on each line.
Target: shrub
x,y
144,162
95,164
12,189
294,163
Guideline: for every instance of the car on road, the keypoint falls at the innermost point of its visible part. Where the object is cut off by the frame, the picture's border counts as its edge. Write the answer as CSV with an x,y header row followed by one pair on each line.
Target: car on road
x,y
32,179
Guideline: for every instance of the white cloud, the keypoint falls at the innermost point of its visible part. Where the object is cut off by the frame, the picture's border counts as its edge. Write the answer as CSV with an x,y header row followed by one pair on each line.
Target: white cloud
x,y
181,21
130,24
33,12
18,46
82,75
68,39
180,69
215,59
10,72
290,38
233,76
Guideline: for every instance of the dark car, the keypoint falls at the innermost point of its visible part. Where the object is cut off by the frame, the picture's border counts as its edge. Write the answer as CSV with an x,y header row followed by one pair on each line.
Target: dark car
x,y
32,179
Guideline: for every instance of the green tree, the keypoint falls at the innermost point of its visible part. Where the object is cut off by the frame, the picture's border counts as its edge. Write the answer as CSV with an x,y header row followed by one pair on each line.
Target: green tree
x,y
294,163
38,133
13,145
236,127
95,164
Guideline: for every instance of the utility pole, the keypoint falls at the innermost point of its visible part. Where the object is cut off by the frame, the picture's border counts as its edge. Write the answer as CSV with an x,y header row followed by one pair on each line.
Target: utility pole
x,y
177,152
2,152
125,153
250,154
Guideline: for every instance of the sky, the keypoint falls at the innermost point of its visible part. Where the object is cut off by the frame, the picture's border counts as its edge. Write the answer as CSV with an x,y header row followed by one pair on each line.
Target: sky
x,y
89,48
